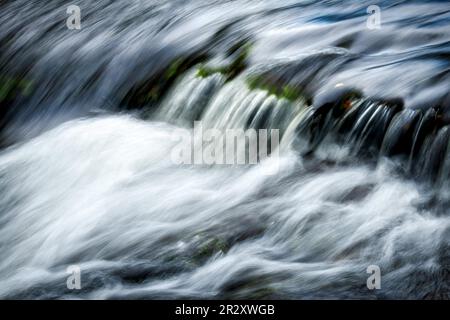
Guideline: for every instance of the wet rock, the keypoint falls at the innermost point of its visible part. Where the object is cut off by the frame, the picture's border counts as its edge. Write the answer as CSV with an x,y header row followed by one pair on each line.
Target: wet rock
x,y
280,90
238,55
338,99
150,91
433,157
13,89
358,193
399,138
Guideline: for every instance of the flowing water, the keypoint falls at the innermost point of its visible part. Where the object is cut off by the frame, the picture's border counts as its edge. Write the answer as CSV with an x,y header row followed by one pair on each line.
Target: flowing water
x,y
362,174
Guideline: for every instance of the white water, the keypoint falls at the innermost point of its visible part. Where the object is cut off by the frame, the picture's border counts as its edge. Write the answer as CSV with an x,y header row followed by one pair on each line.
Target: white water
x,y
103,194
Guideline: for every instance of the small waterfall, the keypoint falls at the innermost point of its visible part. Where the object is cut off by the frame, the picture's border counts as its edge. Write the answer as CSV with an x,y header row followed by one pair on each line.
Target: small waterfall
x,y
443,182
223,105
357,127
422,139
399,138
189,97
434,154
88,177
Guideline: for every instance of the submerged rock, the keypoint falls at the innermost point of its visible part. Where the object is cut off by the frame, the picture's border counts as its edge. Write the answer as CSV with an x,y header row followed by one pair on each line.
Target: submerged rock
x,y
148,92
238,54
280,90
399,139
338,99
12,90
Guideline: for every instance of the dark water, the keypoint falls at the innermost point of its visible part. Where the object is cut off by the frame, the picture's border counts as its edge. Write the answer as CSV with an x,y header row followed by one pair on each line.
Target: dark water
x,y
87,118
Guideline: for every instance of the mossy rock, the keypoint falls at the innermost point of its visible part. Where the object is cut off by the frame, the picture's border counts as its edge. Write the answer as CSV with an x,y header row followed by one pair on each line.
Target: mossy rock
x,y
150,91
250,287
279,89
239,53
11,88
175,68
208,248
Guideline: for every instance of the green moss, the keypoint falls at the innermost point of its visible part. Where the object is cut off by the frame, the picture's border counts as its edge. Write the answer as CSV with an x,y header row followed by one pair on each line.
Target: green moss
x,y
231,70
174,68
281,91
5,88
290,93
147,92
254,82
10,88
208,248
205,71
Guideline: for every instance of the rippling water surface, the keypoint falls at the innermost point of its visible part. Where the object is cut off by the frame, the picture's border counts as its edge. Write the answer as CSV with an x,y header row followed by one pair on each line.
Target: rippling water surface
x,y
86,128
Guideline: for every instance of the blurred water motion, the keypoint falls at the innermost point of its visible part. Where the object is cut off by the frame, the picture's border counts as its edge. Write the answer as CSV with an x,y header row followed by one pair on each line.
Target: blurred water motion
x,y
86,177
